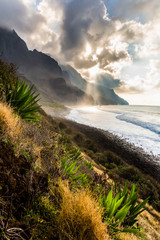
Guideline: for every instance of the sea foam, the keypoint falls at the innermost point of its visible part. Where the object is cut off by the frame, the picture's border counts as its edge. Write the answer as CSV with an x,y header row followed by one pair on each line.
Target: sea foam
x,y
139,125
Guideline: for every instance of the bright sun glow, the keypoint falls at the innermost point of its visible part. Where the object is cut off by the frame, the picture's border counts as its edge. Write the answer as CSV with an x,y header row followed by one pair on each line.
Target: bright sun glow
x,y
147,98
94,71
90,109
99,50
88,50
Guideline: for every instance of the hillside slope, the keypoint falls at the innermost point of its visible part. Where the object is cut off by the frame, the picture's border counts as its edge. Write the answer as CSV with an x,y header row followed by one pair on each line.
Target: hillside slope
x,y
57,183
40,199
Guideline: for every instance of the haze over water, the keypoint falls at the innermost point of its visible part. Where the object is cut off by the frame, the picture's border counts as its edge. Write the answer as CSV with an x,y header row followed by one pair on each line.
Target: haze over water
x,y
139,125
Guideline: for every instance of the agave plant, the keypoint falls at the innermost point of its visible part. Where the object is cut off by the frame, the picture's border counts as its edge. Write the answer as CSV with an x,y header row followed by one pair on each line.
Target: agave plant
x,y
120,211
69,164
24,101
16,94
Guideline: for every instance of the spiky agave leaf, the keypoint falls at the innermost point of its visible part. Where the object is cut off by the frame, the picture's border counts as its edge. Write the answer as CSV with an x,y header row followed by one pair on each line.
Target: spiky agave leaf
x,y
70,164
24,101
122,210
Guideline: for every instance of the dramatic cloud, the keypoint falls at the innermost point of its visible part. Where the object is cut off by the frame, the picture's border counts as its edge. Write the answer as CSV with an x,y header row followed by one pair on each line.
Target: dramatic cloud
x,y
142,10
16,15
109,56
81,18
131,31
106,40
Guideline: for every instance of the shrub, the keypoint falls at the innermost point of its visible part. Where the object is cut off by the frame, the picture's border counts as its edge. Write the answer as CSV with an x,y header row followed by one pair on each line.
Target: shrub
x,y
79,138
90,153
63,139
112,158
80,216
89,144
8,79
62,125
130,173
108,159
68,131
100,158
110,165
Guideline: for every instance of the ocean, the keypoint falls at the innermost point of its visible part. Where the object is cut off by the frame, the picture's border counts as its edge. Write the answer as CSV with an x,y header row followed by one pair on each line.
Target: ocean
x,y
139,125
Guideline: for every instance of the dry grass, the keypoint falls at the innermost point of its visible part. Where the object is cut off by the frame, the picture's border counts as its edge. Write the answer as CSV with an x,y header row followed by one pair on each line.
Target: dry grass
x,y
10,123
80,216
128,236
150,224
23,135
13,128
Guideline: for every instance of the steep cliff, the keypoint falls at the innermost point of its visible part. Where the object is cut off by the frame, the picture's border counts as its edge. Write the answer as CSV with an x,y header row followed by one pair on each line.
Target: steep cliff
x,y
58,83
40,69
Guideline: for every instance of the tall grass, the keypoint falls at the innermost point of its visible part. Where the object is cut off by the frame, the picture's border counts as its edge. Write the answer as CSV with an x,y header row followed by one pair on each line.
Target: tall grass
x,y
10,124
80,216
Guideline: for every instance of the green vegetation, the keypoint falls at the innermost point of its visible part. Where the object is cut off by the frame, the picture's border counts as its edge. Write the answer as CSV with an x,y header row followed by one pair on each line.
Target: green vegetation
x,y
120,171
122,210
49,188
18,95
88,164
8,78
23,101
70,163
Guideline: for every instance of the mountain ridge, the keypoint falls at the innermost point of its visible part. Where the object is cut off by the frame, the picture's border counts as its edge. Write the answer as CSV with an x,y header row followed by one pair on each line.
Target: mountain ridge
x,y
62,84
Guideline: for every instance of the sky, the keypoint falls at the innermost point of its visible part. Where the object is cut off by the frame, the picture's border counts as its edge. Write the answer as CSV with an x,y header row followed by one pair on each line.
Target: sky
x,y
115,43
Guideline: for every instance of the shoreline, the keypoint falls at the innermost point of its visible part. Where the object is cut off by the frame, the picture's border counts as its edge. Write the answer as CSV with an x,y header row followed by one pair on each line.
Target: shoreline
x,y
130,153
56,112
